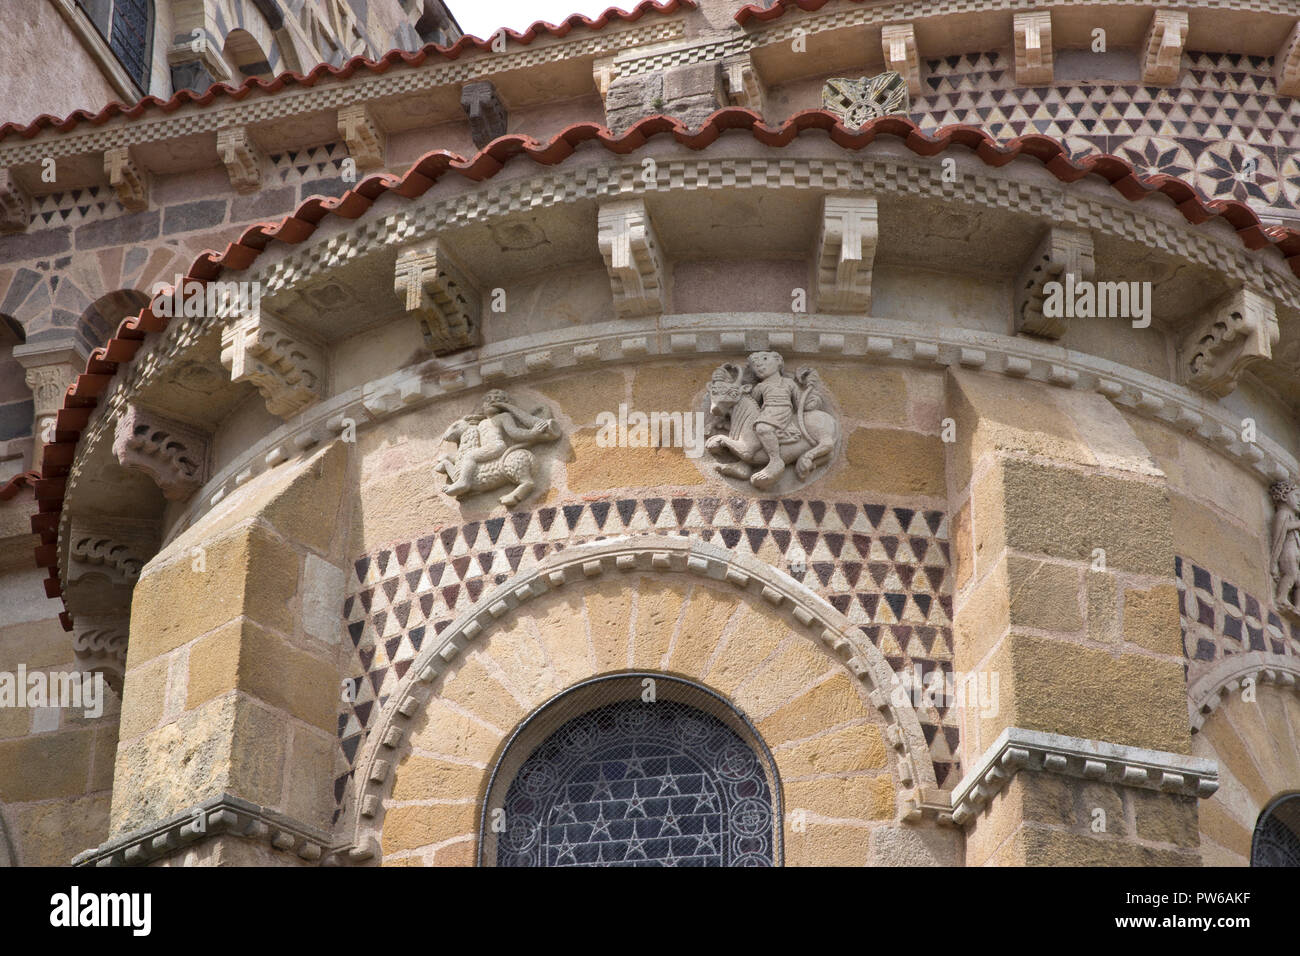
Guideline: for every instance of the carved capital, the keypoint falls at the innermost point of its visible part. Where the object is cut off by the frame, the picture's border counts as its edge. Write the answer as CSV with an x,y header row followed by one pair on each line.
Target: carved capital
x,y
1239,330
241,157
278,358
48,384
744,86
1033,42
1286,69
847,252
898,44
174,455
50,369
128,180
440,295
627,240
1062,252
362,135
487,114
15,207
1162,48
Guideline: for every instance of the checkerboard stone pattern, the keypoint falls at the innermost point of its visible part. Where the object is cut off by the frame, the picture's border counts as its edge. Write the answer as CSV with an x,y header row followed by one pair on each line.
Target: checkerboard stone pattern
x,y
1223,128
886,568
1220,619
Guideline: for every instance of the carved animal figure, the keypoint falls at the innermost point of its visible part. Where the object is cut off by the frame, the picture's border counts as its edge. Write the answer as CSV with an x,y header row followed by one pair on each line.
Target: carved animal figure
x,y
732,404
484,460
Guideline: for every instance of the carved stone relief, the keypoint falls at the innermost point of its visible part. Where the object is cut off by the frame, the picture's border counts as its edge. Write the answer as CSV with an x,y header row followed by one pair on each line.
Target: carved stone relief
x,y
765,419
492,445
1284,552
856,102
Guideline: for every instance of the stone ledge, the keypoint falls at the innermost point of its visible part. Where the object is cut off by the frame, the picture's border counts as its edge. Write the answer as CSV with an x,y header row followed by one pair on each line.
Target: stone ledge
x,y
222,815
1020,749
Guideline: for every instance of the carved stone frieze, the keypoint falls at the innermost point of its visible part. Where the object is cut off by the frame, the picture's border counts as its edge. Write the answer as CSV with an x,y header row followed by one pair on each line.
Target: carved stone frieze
x,y
1062,252
492,445
765,418
1239,330
1284,551
627,240
241,157
128,180
1033,43
439,293
362,135
1162,49
487,114
286,367
174,455
856,101
847,251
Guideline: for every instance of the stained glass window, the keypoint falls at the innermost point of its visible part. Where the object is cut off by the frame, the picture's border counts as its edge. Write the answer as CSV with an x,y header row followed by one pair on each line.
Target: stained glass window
x,y
129,37
1277,834
640,784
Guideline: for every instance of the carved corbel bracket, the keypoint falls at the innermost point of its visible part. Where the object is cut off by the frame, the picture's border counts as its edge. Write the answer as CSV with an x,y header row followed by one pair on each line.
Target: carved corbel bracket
x,y
15,206
287,368
111,549
1033,42
744,85
241,157
100,646
362,135
898,45
128,180
487,114
174,455
846,253
1239,330
1286,70
627,240
440,294
1062,252
603,73
1162,48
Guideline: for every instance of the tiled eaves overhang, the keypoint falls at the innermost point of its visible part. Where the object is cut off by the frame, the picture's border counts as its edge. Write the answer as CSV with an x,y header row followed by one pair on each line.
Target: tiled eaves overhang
x,y
17,483
83,395
756,14
222,92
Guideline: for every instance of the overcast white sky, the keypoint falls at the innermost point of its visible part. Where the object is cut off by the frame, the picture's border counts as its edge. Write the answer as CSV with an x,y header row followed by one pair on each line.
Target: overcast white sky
x,y
481,18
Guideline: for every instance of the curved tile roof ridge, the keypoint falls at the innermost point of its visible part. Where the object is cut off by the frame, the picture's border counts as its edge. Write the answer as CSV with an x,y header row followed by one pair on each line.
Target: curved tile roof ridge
x,y
290,78
83,395
10,488
756,12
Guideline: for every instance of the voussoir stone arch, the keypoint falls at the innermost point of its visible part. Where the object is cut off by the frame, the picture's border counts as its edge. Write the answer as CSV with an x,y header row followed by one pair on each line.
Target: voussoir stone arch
x,y
818,693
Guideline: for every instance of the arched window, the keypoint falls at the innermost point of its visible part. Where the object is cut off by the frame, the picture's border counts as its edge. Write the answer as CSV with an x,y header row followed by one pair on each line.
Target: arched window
x,y
1277,834
127,25
633,770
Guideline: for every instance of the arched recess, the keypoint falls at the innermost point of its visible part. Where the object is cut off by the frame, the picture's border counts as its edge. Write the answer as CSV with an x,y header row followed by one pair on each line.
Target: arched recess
x,y
1247,711
246,56
742,629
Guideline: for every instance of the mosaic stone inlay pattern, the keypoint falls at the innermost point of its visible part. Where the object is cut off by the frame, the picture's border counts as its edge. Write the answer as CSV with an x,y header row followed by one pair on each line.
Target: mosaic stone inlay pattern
x,y
887,569
1223,128
1219,619
75,206
636,784
305,165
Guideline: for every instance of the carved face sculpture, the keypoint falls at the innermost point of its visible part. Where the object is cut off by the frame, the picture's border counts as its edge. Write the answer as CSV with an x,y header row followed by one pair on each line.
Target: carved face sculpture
x,y
765,363
724,393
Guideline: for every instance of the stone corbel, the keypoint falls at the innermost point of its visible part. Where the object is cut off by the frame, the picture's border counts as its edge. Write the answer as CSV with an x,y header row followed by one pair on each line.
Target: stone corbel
x,y
603,73
487,114
173,454
241,157
627,240
193,69
1062,252
99,645
285,365
441,296
128,180
15,207
1286,70
1162,49
846,253
111,550
744,86
1033,41
364,138
1239,330
898,45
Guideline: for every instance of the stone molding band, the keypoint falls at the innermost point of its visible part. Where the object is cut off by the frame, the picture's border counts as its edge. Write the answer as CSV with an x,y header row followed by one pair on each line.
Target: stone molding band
x,y
1019,749
221,815
1207,691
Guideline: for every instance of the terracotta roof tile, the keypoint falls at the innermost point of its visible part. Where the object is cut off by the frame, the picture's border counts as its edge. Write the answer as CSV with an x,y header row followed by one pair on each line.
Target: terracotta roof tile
x,y
389,60
755,12
16,484
83,396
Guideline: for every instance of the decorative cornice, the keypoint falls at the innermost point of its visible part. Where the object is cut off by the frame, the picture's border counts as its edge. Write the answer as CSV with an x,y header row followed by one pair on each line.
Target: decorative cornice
x,y
652,554
224,815
1018,749
1206,693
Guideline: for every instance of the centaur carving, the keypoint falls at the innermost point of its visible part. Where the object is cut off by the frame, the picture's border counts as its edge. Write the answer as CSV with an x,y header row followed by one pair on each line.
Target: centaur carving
x,y
765,419
492,448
